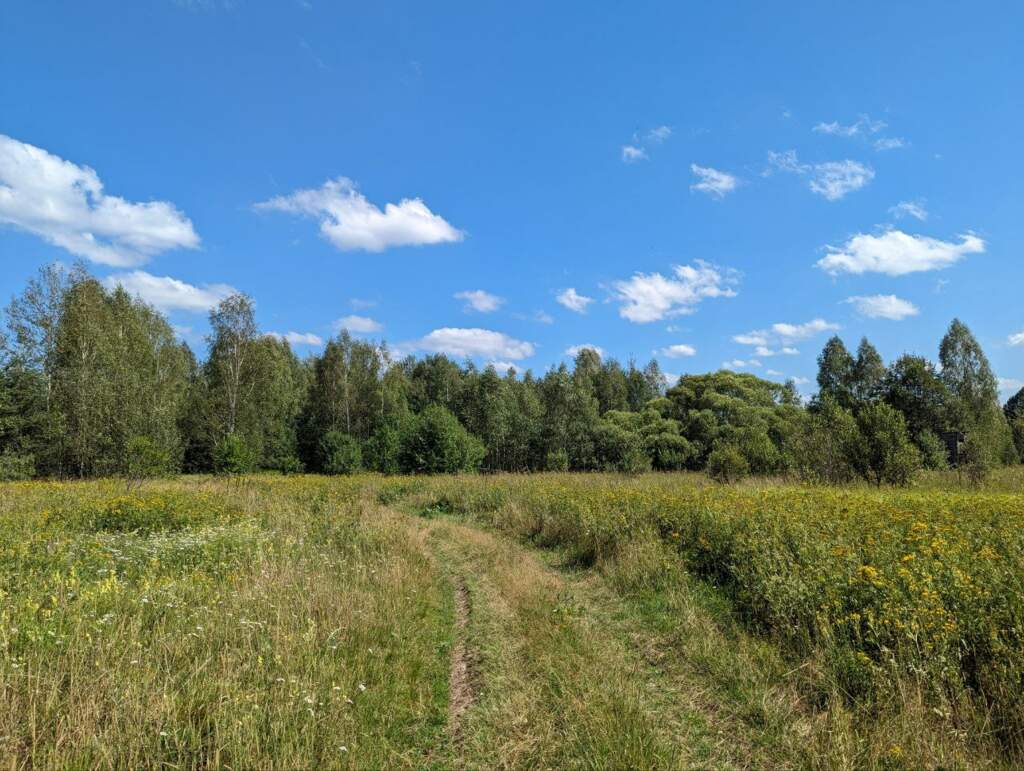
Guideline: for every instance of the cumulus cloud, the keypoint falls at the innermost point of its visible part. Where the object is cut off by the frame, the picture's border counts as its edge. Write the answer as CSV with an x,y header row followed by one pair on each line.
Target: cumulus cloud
x,y
915,209
832,180
350,222
782,334
883,306
480,301
1017,338
64,204
484,343
573,300
297,338
574,350
362,325
677,351
712,181
501,367
896,253
741,364
169,294
651,296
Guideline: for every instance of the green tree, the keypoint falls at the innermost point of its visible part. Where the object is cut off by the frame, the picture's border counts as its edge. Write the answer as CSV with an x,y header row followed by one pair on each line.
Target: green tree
x,y
887,454
339,453
836,376
434,442
868,374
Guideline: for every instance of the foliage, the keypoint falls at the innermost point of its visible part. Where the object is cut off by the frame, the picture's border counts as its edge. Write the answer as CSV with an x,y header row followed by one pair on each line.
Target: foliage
x,y
434,442
14,468
727,464
232,455
339,454
146,459
886,454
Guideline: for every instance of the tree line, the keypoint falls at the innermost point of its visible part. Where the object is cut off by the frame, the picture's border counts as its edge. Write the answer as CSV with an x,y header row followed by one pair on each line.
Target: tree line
x,y
94,382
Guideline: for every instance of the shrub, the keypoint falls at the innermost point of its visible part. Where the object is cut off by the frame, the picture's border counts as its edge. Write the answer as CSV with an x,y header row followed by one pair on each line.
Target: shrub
x,y
231,455
339,454
290,464
15,468
381,451
434,442
556,460
934,454
887,454
145,459
726,464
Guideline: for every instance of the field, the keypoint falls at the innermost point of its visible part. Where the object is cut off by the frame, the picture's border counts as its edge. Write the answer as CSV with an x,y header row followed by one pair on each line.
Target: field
x,y
510,621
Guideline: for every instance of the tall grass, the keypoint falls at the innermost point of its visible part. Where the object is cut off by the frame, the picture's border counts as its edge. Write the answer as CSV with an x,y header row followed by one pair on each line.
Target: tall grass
x,y
194,624
893,595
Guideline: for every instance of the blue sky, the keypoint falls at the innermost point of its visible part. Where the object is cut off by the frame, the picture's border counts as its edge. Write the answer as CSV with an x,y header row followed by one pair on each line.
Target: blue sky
x,y
718,179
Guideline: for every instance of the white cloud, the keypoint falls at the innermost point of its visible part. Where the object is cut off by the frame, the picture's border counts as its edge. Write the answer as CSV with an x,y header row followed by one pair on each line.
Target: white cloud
x,y
573,300
349,221
362,325
168,294
360,304
883,306
637,149
480,301
835,179
631,153
832,180
800,380
783,334
651,296
574,350
484,343
765,351
774,373
64,204
890,143
863,125
658,134
896,253
677,351
712,181
297,338
502,367
914,209
1017,338
741,364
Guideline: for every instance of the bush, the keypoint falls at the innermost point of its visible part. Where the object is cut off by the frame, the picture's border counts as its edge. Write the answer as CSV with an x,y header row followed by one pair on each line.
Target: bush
x,y
231,455
976,458
381,451
825,444
16,468
556,460
145,459
887,454
339,454
934,454
290,464
726,464
434,442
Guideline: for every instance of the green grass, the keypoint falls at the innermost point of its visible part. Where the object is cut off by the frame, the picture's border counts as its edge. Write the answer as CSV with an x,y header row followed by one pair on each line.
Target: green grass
x,y
607,622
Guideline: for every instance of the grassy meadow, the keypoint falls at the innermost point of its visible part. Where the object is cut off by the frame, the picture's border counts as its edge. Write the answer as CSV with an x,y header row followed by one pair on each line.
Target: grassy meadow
x,y
551,620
